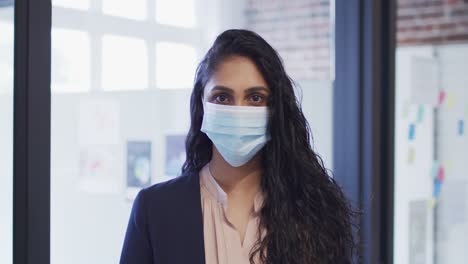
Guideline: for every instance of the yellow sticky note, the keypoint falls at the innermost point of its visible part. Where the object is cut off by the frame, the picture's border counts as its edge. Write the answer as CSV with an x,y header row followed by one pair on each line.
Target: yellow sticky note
x,y
450,100
432,202
411,155
448,166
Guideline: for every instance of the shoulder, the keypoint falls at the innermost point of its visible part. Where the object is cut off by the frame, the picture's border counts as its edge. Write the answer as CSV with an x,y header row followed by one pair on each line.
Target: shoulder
x,y
169,205
185,181
171,192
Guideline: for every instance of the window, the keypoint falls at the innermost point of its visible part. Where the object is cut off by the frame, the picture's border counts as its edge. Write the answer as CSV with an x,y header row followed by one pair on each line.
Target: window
x,y
113,129
124,63
71,64
179,13
175,65
431,111
77,4
135,9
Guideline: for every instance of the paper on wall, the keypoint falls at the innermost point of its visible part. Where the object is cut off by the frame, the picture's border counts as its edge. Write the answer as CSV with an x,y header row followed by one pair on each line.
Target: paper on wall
x,y
418,214
99,122
454,203
424,81
139,169
175,154
99,169
138,164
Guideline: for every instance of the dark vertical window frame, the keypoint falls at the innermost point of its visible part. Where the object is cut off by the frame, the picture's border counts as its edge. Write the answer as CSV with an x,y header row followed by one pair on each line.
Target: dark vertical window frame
x,y
31,139
363,104
388,14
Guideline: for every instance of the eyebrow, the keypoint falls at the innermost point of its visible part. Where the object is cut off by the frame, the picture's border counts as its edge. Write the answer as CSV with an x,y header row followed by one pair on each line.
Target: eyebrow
x,y
248,90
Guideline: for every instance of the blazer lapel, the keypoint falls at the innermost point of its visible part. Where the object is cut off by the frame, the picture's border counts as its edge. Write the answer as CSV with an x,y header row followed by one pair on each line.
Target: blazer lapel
x,y
192,248
177,222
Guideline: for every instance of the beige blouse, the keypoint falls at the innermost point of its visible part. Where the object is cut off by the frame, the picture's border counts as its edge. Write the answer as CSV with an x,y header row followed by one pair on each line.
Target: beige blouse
x,y
223,244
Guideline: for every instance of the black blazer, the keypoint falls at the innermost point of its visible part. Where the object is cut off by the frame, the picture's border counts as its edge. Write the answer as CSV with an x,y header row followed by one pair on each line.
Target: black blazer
x,y
166,224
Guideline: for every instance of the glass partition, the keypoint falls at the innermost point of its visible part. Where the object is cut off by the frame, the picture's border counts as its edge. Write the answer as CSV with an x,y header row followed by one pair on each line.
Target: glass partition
x,y
431,145
6,130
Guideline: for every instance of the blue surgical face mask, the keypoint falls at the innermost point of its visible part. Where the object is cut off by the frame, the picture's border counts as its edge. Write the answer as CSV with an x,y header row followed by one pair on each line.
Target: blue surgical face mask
x,y
238,132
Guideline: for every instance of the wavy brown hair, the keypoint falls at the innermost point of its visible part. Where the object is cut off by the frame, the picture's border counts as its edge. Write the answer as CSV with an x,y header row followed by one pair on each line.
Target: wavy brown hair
x,y
305,215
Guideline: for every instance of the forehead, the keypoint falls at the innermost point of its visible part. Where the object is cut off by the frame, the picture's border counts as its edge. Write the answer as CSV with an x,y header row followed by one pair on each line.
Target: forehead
x,y
237,73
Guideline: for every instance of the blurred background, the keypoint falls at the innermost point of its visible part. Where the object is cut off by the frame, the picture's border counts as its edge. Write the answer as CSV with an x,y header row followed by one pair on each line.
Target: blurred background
x,y
122,74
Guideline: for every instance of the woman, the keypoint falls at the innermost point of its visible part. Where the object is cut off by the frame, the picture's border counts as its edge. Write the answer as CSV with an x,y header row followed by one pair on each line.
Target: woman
x,y
252,190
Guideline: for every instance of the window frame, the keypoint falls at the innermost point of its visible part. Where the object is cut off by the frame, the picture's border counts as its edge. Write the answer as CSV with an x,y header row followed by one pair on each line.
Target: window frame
x,y
363,119
148,30
31,132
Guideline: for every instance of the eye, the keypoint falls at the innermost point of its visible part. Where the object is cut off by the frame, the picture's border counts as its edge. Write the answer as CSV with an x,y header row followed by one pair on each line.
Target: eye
x,y
256,99
221,99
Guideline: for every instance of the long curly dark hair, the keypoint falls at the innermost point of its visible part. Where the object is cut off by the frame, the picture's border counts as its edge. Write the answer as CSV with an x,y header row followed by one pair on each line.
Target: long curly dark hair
x,y
305,216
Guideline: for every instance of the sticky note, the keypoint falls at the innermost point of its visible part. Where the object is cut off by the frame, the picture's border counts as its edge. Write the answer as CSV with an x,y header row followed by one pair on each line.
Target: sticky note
x,y
432,202
461,127
437,188
448,166
441,174
450,100
420,114
441,97
411,132
411,155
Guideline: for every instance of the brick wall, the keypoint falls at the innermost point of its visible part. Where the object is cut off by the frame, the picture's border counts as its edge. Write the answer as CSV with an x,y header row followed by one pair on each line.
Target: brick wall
x,y
300,29
422,22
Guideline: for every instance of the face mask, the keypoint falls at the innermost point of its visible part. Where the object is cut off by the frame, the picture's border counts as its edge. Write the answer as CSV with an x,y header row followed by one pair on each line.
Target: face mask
x,y
238,132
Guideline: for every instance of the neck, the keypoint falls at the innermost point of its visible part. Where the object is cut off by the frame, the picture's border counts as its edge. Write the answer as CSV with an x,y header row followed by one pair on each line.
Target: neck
x,y
236,180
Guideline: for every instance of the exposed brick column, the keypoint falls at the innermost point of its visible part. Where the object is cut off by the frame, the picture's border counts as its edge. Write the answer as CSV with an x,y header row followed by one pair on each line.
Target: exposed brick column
x,y
422,22
299,30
